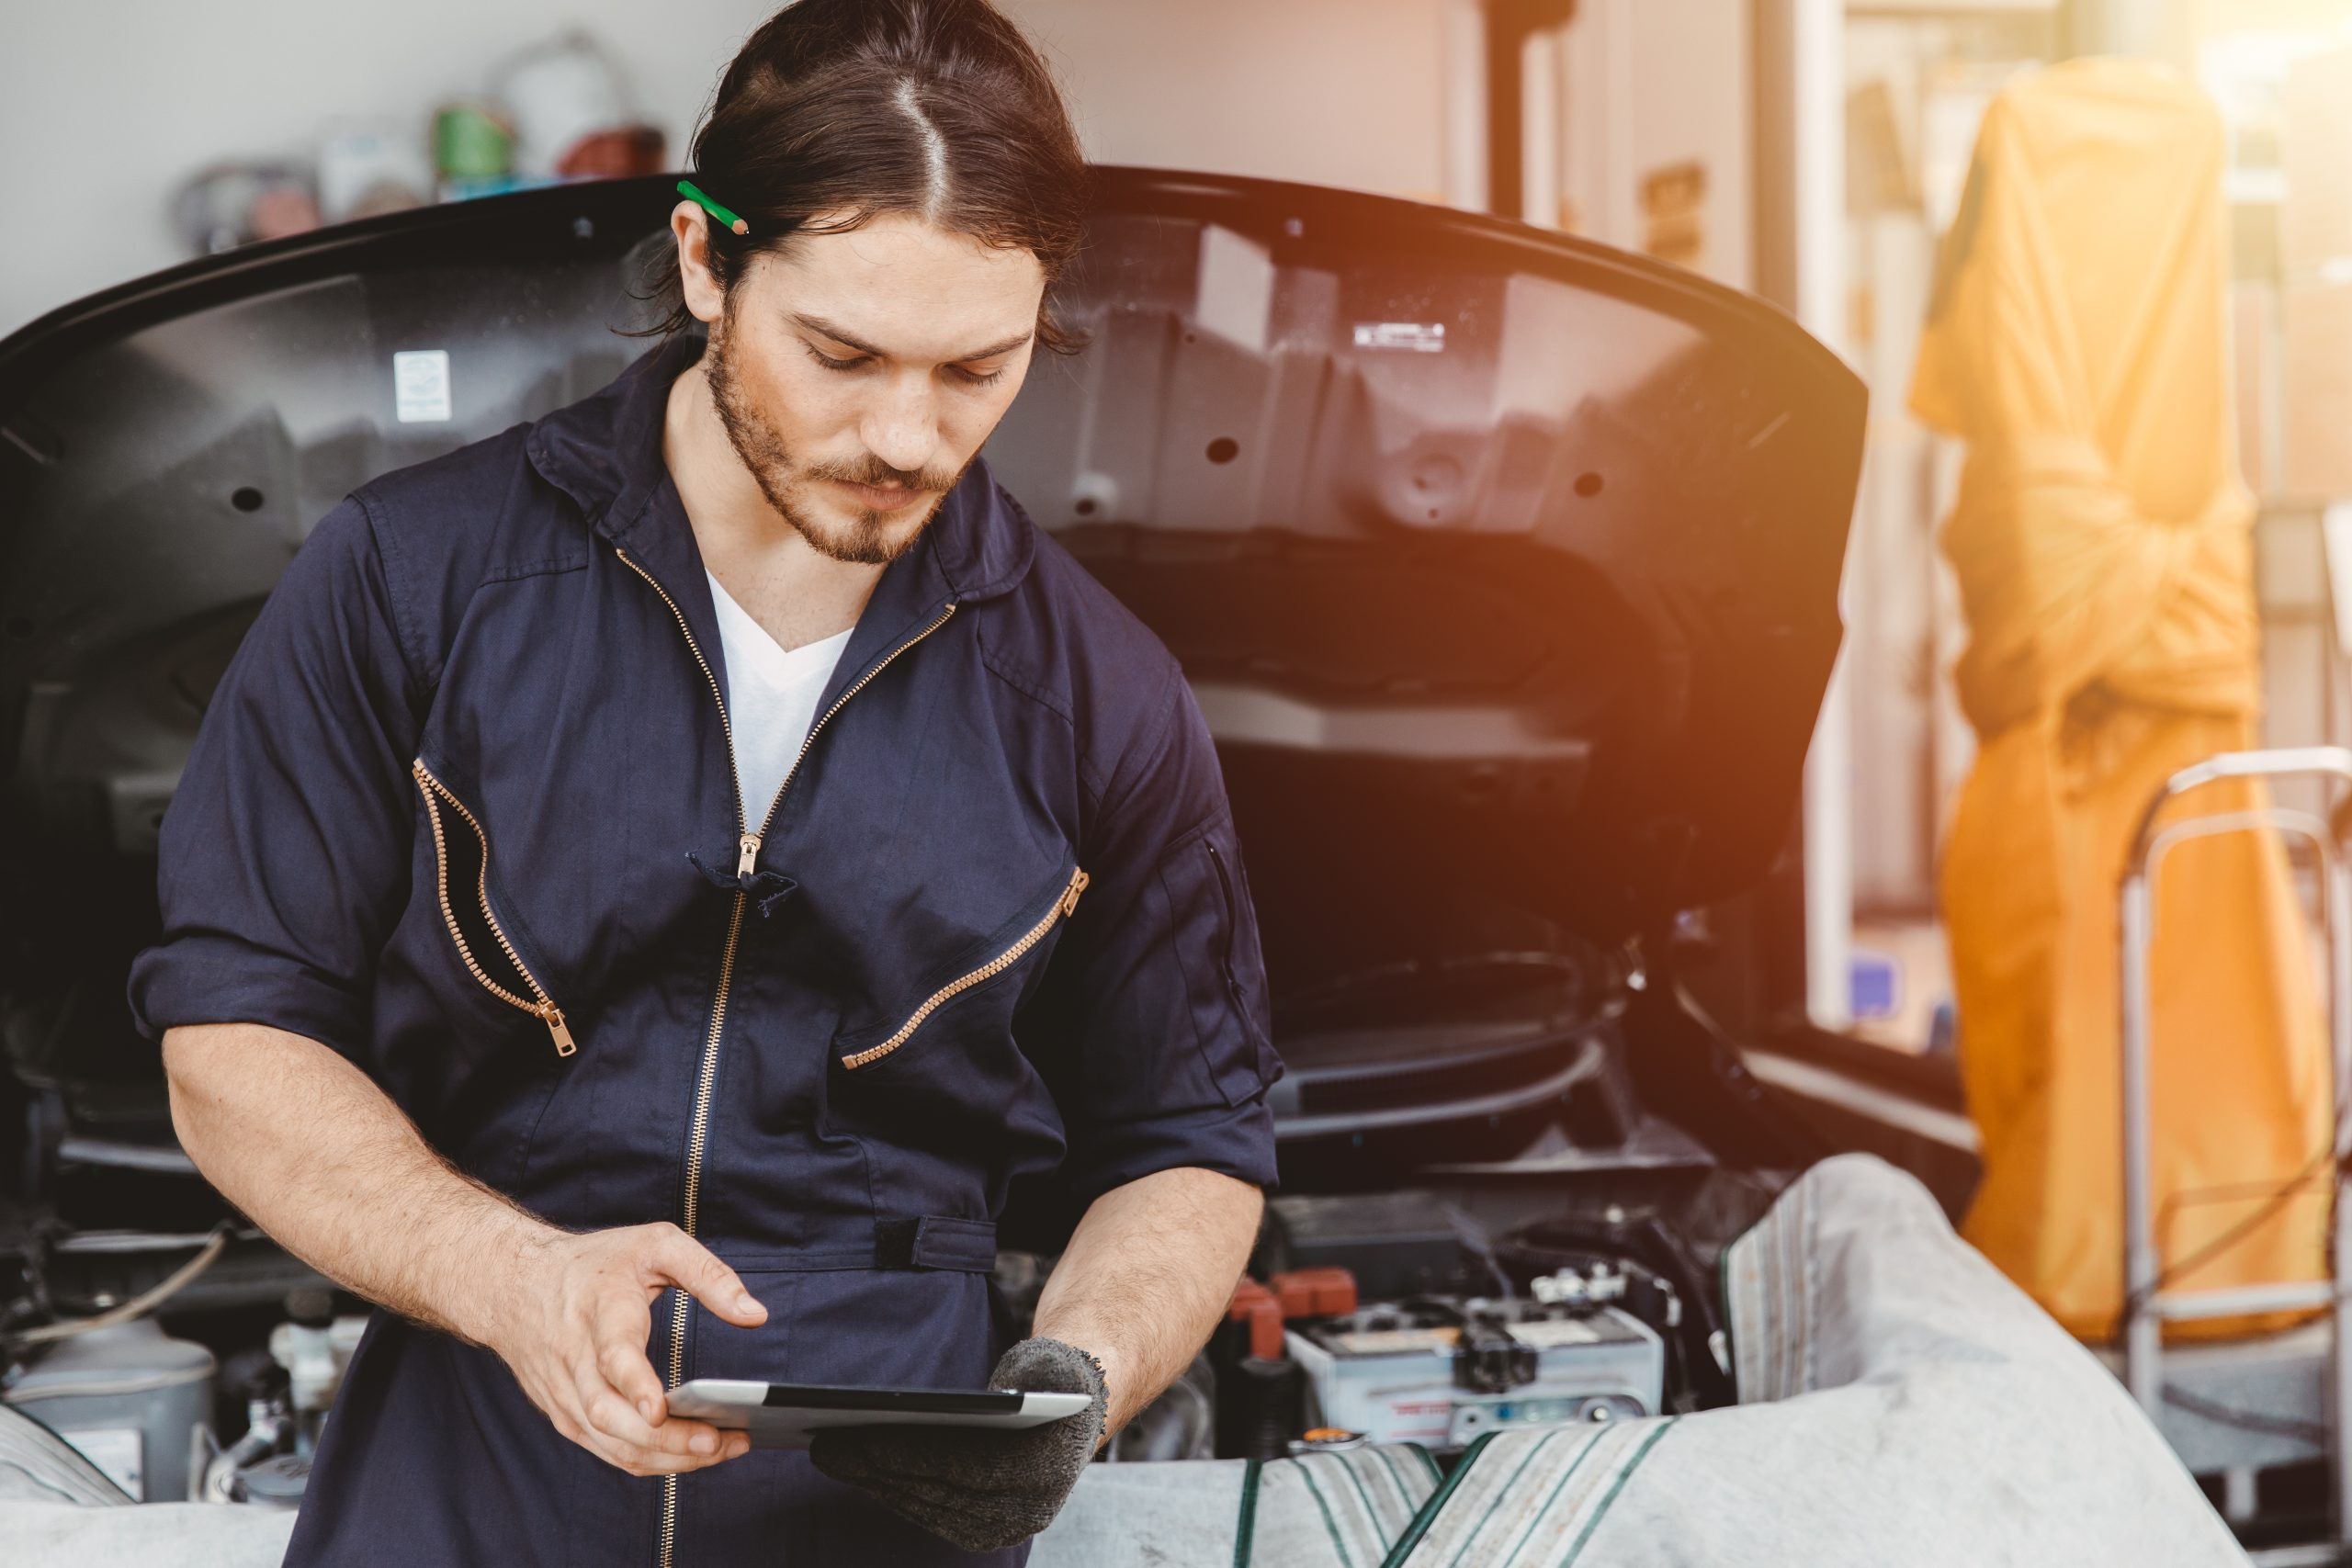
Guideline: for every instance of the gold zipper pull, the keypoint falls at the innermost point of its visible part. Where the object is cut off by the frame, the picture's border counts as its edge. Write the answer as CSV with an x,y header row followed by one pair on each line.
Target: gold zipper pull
x,y
564,1045
750,857
1078,881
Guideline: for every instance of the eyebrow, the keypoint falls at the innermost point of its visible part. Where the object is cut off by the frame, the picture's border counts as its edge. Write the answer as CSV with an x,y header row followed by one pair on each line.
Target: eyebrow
x,y
819,324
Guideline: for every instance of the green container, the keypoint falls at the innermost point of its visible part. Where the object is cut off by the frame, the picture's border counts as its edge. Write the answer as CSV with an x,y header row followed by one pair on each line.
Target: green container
x,y
470,144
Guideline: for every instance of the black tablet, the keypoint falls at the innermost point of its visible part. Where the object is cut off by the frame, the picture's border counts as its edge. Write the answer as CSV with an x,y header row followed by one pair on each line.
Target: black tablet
x,y
782,1416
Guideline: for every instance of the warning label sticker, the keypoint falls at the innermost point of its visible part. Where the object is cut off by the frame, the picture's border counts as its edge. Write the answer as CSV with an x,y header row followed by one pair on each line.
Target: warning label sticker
x,y
1413,337
421,386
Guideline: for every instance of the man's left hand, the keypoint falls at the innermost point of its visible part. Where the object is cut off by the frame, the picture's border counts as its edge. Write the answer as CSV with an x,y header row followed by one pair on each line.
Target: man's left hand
x,y
978,1487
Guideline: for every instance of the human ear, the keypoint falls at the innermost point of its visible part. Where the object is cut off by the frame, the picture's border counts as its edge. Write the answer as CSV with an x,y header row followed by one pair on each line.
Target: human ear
x,y
697,282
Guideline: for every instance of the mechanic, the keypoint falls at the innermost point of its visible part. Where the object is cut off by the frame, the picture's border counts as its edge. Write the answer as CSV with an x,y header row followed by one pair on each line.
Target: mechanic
x,y
651,879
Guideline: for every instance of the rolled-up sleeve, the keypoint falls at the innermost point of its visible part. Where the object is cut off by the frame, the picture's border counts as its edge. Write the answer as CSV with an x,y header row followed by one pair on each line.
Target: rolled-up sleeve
x,y
1158,996
284,854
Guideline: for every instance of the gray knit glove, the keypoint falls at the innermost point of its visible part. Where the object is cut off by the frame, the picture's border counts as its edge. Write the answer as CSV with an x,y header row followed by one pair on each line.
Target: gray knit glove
x,y
980,1488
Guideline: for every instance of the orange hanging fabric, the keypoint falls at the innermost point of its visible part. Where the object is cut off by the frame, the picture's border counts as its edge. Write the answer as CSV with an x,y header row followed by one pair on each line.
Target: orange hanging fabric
x,y
2103,543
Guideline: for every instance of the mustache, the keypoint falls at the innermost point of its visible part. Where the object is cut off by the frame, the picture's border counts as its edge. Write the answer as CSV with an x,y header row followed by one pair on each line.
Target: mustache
x,y
874,471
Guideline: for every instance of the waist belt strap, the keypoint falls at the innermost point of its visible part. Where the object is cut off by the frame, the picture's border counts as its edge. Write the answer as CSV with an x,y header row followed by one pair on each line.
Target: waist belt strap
x,y
936,1242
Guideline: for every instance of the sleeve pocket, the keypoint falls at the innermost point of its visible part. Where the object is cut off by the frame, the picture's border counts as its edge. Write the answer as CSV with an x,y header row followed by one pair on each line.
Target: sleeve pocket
x,y
1214,932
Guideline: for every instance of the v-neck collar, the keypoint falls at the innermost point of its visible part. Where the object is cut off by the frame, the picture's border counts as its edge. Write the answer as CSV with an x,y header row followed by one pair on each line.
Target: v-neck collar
x,y
778,664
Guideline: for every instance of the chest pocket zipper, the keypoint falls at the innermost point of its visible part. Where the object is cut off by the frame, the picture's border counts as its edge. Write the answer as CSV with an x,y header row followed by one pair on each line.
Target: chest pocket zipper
x,y
1064,906
538,1004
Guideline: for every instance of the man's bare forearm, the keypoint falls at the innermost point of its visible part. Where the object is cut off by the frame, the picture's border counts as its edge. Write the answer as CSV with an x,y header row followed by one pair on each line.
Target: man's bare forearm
x,y
1145,1276
319,1157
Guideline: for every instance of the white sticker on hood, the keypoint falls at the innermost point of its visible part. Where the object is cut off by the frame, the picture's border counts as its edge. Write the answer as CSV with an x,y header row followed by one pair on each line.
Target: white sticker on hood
x,y
1417,337
420,385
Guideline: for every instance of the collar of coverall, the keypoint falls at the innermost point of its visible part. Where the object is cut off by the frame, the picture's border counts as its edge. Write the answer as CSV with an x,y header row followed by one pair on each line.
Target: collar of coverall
x,y
605,451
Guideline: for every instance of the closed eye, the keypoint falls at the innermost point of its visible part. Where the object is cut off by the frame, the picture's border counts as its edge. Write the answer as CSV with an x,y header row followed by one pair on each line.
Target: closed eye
x,y
969,378
831,363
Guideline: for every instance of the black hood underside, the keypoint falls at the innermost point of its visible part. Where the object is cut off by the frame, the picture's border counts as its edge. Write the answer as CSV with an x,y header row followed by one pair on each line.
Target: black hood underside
x,y
1504,565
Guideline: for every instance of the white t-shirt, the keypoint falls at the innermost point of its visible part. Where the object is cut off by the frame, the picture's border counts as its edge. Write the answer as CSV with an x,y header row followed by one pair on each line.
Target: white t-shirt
x,y
771,698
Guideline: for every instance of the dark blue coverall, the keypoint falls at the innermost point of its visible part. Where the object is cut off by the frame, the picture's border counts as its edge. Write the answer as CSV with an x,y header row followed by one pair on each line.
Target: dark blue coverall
x,y
463,809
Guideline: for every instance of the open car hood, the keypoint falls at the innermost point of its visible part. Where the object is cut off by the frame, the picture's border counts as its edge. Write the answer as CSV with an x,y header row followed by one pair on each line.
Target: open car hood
x,y
1505,565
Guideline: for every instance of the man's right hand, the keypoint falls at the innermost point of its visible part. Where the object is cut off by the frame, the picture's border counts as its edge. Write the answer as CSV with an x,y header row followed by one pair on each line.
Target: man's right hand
x,y
573,1327
306,1143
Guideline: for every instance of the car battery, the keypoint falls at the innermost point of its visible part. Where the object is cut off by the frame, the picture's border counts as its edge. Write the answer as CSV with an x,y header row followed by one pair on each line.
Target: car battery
x,y
1442,1374
1396,1243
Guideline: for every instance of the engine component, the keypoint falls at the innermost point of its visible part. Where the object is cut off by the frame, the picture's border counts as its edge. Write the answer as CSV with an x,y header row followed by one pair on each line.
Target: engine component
x,y
132,1400
1440,1372
1489,1359
1258,1407
1259,1312
1644,1265
286,1396
1605,1283
314,1346
1396,1243
274,1482
1314,1293
269,1424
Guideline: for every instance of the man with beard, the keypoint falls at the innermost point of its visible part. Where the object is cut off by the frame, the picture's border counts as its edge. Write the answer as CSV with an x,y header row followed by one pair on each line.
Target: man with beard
x,y
651,880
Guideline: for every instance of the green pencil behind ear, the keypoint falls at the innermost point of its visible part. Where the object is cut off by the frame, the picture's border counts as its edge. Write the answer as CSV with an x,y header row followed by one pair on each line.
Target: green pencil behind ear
x,y
686,188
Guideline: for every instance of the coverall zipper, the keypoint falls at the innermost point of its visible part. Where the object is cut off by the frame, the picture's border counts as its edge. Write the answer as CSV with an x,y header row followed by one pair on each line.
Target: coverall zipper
x,y
747,856
542,1007
1065,905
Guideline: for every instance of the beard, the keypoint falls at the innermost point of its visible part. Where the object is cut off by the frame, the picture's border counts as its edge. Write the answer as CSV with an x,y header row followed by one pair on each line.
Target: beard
x,y
870,537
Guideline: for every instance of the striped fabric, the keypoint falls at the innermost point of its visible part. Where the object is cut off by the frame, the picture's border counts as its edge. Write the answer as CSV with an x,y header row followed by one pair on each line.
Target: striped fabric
x,y
1347,1509
1344,1509
1767,1290
39,1466
1530,1499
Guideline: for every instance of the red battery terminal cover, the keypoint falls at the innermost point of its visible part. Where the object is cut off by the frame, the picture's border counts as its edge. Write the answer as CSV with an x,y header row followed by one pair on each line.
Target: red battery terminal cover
x,y
1254,1304
1315,1292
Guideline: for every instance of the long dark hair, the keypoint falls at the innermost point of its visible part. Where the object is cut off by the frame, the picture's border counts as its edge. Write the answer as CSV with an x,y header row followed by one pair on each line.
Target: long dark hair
x,y
862,107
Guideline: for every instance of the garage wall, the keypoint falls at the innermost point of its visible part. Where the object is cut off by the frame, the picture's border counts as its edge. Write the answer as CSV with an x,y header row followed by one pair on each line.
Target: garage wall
x,y
1651,93
1333,92
107,104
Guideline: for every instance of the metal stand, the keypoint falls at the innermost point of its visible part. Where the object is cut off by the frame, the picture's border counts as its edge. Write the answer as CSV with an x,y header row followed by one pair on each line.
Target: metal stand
x,y
2147,1308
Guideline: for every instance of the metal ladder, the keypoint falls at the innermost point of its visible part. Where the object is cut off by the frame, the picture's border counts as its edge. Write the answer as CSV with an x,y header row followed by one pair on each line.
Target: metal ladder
x,y
2146,1306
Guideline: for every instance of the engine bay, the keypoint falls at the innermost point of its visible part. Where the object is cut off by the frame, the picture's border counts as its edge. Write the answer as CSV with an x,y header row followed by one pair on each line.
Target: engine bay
x,y
202,1365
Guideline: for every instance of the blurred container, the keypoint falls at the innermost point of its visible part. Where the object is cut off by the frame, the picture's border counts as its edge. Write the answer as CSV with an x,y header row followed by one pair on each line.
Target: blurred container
x,y
130,1398
557,94
615,154
368,166
230,205
470,142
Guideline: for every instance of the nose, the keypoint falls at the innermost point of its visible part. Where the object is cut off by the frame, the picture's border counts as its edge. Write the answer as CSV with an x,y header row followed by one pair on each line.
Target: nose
x,y
902,426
